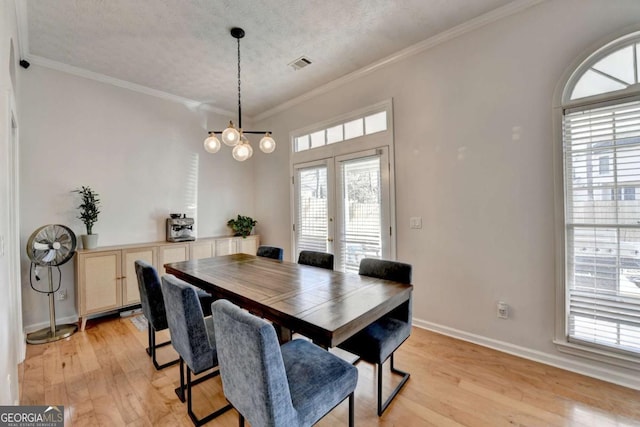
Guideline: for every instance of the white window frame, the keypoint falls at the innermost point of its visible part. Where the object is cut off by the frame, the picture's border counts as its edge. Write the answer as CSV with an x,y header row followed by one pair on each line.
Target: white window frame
x,y
344,148
563,102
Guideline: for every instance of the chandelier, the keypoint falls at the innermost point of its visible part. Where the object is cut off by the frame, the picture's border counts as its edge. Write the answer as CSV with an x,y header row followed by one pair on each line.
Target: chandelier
x,y
234,137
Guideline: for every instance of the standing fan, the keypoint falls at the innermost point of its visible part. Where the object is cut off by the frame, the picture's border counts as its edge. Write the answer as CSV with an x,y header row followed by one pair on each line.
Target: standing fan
x,y
50,246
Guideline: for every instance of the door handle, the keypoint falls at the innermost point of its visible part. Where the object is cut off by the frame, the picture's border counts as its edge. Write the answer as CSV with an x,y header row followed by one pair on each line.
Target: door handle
x,y
329,239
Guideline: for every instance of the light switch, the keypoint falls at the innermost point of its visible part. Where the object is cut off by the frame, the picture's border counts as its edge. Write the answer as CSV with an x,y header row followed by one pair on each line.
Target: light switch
x,y
415,222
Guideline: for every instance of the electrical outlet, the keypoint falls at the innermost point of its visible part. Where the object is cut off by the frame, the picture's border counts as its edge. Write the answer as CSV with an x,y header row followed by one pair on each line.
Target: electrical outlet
x,y
503,310
62,295
415,222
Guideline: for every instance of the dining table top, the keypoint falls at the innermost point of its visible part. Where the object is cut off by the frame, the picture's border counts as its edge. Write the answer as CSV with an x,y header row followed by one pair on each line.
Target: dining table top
x,y
325,305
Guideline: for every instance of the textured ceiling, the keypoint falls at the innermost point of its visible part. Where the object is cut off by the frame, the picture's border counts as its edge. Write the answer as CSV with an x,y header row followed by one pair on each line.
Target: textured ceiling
x,y
184,48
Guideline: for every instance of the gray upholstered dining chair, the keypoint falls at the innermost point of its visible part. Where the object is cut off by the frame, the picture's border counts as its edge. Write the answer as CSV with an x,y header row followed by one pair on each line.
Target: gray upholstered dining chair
x,y
378,341
192,335
271,252
316,259
293,385
154,310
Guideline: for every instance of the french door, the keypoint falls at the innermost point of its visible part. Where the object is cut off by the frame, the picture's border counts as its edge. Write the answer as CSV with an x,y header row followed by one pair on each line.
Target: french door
x,y
342,206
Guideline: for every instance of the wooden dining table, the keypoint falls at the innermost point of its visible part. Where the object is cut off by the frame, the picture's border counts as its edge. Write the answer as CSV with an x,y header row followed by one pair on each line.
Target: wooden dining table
x,y
324,305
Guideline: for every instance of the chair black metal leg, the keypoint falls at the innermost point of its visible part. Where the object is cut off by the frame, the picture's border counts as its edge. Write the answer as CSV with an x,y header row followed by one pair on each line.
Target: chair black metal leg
x,y
198,422
180,390
405,376
151,350
150,340
351,411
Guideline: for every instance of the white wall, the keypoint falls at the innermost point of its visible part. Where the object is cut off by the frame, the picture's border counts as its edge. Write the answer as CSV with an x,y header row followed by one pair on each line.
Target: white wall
x,y
474,159
11,334
143,155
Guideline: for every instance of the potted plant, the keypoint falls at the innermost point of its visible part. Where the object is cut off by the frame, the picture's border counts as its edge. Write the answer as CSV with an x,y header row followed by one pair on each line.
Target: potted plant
x,y
242,225
89,210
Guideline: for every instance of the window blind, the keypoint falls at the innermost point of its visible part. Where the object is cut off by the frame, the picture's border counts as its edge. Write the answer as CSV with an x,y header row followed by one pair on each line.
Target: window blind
x,y
312,209
602,220
361,211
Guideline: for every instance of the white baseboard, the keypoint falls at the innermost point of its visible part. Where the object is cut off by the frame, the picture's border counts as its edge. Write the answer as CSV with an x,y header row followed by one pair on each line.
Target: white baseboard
x,y
22,350
41,325
584,368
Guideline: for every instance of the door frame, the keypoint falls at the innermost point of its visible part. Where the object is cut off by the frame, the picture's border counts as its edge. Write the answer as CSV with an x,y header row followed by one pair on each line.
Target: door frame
x,y
331,202
328,153
385,189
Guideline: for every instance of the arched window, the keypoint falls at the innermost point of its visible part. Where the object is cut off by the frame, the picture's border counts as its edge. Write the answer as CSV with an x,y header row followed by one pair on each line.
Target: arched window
x,y
601,154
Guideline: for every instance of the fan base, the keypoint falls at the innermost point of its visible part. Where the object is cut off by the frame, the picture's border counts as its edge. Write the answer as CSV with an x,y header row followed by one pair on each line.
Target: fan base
x,y
44,336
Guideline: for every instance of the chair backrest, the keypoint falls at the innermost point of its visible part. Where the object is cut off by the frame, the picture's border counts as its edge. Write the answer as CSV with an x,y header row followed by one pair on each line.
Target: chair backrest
x,y
316,259
388,270
254,379
187,325
151,295
271,252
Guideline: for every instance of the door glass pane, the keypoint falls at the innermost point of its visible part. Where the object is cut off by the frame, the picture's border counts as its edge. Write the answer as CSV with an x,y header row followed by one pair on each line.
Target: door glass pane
x,y
312,207
302,143
334,134
353,129
317,139
361,208
375,123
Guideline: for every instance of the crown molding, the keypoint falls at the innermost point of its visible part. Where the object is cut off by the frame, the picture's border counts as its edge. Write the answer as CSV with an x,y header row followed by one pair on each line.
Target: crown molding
x,y
471,25
81,72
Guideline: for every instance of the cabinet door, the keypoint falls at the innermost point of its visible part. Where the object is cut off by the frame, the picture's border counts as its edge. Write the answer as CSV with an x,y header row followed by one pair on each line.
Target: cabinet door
x,y
205,249
100,277
172,253
226,246
130,292
248,245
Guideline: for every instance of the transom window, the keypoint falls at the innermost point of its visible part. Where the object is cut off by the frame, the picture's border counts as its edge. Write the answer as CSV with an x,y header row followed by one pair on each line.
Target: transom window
x,y
354,128
617,70
601,153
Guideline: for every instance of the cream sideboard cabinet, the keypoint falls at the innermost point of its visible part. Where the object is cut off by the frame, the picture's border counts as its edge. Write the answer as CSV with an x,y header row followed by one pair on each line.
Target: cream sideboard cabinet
x,y
106,278
237,245
175,252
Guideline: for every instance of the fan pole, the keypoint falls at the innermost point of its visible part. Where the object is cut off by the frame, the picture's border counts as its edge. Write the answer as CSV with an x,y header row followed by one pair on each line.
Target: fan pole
x,y
52,305
54,332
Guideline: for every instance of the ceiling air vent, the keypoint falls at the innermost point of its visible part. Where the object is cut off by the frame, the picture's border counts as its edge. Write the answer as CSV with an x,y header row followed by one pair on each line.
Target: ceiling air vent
x,y
299,63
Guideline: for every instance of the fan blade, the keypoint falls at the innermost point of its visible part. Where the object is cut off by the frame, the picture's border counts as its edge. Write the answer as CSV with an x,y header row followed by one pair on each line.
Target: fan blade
x,y
49,256
39,246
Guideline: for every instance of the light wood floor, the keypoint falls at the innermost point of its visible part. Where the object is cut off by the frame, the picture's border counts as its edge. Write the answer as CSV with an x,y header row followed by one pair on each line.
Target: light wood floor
x,y
103,377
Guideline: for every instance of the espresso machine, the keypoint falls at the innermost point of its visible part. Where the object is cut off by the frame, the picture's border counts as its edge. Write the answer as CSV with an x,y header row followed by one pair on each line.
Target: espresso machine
x,y
180,228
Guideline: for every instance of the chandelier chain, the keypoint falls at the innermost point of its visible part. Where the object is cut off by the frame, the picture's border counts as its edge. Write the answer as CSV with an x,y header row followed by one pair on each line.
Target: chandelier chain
x,y
239,92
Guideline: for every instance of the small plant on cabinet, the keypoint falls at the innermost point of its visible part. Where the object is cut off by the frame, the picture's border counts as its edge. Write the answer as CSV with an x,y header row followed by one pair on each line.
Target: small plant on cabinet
x,y
242,225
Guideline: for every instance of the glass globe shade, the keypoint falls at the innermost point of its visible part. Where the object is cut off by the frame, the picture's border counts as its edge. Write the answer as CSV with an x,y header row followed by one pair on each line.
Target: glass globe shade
x,y
230,135
212,144
242,152
267,144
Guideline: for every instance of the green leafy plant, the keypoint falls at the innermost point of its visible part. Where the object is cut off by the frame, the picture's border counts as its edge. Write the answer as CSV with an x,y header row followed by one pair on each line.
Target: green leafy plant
x,y
89,208
242,225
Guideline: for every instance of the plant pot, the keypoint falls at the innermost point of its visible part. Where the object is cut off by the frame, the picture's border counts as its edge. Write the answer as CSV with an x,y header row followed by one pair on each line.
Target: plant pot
x,y
89,241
